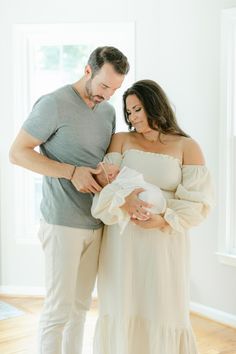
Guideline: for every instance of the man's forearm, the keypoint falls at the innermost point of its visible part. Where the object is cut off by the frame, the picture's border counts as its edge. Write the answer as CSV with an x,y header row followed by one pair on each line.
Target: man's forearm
x,y
34,161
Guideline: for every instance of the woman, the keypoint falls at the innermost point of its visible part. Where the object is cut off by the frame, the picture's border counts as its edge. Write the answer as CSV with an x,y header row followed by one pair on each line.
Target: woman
x,y
143,281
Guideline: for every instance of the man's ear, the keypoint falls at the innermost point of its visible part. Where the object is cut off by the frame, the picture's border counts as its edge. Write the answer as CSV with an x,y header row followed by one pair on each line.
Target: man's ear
x,y
88,71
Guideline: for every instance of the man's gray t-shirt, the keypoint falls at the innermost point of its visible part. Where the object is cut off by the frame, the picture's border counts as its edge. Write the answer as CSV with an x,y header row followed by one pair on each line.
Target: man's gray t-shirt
x,y
72,133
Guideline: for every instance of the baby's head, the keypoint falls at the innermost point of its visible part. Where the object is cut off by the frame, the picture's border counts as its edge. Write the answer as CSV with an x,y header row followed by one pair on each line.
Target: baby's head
x,y
108,173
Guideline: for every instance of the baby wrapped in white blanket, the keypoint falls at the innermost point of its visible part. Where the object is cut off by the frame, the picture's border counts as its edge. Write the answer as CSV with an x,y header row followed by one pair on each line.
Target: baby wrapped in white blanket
x,y
117,185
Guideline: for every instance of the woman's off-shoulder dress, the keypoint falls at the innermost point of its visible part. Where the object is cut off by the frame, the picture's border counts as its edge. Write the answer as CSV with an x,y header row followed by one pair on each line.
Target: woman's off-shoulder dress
x,y
143,278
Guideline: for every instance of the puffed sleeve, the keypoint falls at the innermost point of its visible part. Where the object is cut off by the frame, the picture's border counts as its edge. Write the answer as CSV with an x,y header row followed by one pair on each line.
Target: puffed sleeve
x,y
193,198
113,157
106,204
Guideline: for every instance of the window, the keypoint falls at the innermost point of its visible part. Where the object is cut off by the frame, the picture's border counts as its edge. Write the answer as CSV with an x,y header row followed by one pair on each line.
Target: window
x,y
227,217
47,57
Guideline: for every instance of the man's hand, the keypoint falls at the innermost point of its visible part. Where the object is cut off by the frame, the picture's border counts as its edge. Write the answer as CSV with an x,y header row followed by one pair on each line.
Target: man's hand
x,y
83,180
136,207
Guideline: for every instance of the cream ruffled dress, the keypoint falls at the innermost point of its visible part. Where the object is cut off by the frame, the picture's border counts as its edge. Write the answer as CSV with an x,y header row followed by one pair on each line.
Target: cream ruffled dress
x,y
143,279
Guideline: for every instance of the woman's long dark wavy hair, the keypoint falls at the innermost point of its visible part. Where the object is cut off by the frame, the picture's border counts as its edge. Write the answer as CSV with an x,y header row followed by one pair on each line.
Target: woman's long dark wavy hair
x,y
160,115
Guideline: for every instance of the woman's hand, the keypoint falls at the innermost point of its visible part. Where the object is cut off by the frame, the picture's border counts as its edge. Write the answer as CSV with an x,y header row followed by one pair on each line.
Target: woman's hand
x,y
136,207
155,221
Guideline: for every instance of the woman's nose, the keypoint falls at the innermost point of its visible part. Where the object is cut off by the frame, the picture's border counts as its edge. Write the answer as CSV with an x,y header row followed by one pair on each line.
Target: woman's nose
x,y
132,117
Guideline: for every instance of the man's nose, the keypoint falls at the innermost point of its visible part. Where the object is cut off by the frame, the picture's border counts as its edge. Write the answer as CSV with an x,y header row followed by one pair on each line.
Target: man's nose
x,y
109,93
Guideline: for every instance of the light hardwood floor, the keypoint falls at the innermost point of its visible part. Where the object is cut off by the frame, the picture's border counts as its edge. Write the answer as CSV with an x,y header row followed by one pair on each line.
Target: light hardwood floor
x,y
18,335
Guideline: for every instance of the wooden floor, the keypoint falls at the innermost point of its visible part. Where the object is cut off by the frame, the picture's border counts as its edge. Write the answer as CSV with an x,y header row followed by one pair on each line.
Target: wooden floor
x,y
18,335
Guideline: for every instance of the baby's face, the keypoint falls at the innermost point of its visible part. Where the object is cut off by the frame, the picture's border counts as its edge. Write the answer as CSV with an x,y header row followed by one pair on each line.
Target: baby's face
x,y
108,173
111,170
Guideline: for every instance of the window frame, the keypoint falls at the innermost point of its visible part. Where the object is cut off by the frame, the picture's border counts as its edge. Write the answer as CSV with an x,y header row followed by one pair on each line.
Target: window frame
x,y
227,169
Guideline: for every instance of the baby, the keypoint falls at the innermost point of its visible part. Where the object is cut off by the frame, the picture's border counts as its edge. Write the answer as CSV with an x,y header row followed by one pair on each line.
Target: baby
x,y
127,180
109,172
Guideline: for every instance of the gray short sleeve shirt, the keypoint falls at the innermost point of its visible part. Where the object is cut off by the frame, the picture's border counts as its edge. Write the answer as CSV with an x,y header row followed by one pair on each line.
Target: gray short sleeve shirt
x,y
73,133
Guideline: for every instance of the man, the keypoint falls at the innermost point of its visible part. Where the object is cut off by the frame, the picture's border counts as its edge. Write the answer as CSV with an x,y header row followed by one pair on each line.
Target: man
x,y
73,127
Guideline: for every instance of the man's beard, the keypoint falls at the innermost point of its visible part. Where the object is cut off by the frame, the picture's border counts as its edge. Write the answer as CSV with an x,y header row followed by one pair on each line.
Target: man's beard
x,y
94,98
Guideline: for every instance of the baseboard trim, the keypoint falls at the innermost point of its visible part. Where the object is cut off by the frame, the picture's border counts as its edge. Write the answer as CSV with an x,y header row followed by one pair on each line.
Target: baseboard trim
x,y
213,314
21,291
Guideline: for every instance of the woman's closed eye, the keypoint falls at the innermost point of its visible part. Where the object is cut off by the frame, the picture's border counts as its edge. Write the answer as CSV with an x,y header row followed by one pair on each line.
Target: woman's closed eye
x,y
136,110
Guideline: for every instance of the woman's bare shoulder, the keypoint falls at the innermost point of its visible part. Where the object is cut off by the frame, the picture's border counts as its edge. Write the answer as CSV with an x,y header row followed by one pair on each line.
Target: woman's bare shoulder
x,y
192,153
117,142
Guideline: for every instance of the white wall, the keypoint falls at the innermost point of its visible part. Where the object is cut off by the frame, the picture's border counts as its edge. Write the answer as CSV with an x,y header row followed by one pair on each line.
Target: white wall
x,y
177,44
228,3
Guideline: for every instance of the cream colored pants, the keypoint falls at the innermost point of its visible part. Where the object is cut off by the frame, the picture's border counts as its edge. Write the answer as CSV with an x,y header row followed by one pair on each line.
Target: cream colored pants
x,y
71,260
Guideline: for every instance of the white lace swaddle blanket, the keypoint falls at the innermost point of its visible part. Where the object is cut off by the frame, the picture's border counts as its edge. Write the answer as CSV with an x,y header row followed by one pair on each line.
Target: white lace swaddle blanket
x,y
106,204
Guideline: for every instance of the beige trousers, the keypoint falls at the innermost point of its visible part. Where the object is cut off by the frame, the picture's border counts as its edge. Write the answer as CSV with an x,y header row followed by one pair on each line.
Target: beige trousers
x,y
71,261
